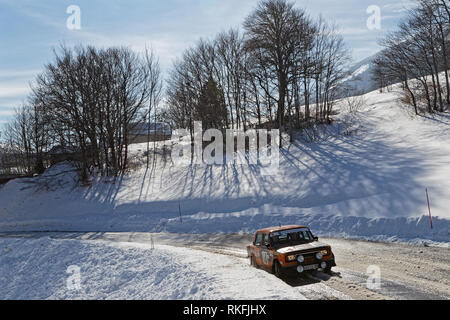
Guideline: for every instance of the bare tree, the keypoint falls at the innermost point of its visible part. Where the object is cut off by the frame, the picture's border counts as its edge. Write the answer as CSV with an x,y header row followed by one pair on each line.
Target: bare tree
x,y
274,34
417,54
155,92
269,76
89,98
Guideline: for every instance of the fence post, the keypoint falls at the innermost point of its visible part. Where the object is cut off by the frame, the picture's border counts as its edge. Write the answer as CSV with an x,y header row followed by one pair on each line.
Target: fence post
x,y
429,209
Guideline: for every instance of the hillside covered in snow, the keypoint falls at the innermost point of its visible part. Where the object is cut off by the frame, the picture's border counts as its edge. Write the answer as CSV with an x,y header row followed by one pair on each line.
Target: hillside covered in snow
x,y
359,80
365,178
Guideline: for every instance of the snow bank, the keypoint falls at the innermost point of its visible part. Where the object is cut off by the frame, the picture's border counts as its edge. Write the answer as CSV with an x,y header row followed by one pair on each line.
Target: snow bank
x,y
410,230
41,269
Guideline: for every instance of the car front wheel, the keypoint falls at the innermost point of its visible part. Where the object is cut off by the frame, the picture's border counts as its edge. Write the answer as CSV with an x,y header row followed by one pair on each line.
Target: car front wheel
x,y
277,269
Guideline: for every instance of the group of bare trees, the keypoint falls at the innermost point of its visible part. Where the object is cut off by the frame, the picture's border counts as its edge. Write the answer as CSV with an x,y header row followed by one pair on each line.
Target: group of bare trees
x,y
86,101
283,71
23,141
418,55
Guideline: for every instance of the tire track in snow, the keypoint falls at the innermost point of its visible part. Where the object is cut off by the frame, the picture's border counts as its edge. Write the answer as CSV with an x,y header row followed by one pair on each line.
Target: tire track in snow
x,y
313,290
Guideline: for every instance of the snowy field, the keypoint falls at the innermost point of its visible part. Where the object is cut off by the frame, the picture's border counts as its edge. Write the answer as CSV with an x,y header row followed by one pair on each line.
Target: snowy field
x,y
367,182
43,269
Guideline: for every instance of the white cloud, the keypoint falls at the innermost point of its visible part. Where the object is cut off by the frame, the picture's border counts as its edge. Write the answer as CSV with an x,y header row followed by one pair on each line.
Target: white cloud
x,y
19,73
6,112
353,31
400,6
13,90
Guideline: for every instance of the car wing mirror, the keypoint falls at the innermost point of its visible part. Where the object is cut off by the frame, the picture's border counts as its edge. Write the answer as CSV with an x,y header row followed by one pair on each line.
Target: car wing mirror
x,y
316,238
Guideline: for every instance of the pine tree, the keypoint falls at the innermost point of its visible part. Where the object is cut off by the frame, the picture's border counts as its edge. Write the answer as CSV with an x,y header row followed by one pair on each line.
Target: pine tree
x,y
211,108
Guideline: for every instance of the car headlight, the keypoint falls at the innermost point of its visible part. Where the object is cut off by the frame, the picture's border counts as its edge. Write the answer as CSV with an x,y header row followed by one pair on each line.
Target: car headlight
x,y
300,258
324,252
319,256
291,258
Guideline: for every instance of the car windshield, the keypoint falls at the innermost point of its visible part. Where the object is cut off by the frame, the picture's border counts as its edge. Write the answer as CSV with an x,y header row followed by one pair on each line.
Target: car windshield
x,y
291,237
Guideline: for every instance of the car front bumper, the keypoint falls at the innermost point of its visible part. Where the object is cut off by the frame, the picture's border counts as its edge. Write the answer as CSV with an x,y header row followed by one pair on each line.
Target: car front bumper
x,y
292,266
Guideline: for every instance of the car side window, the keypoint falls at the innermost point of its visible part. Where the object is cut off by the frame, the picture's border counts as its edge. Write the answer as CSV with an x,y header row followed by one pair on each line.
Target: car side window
x,y
266,239
258,239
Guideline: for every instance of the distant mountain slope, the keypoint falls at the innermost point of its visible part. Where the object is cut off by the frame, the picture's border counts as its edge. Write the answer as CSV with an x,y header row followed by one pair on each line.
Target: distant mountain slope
x,y
360,79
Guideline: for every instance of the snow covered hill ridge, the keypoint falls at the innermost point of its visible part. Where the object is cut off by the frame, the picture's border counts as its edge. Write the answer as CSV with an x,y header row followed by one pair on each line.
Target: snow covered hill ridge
x,y
366,182
359,80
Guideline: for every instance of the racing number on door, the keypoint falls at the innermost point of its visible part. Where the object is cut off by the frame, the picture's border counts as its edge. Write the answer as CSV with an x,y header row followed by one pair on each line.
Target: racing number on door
x,y
266,253
258,243
265,256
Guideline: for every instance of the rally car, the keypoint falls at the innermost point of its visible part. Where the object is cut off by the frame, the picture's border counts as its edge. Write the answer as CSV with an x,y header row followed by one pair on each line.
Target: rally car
x,y
289,248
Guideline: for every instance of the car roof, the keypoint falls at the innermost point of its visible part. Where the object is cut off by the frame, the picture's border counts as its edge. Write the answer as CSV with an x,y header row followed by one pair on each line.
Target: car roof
x,y
275,229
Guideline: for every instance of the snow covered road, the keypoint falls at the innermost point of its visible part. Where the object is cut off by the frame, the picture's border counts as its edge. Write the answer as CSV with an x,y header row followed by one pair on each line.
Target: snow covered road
x,y
182,266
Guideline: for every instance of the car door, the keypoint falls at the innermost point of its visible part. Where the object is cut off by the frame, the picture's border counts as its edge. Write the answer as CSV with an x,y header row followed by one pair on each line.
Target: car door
x,y
266,252
257,248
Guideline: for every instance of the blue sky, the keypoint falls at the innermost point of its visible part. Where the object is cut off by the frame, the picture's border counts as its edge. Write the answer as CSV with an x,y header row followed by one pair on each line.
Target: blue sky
x,y
30,29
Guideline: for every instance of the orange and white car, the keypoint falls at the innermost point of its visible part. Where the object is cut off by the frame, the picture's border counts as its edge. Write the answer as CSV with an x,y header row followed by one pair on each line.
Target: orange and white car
x,y
280,249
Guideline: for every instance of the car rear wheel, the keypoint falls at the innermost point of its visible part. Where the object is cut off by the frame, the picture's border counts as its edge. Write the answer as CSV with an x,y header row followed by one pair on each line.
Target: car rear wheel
x,y
253,262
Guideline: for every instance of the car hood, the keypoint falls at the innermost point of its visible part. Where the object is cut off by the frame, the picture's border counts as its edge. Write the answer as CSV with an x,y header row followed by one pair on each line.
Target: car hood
x,y
300,247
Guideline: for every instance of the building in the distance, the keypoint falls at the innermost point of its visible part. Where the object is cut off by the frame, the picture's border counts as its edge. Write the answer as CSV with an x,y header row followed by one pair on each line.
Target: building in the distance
x,y
143,132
